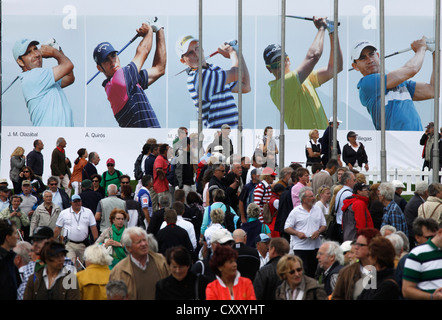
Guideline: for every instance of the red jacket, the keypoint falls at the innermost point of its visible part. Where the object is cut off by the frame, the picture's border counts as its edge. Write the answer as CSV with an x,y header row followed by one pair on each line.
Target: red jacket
x,y
242,290
360,208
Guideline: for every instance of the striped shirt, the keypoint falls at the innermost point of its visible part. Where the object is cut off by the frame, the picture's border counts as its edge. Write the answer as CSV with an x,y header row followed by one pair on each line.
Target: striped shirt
x,y
423,266
218,103
261,196
393,216
125,92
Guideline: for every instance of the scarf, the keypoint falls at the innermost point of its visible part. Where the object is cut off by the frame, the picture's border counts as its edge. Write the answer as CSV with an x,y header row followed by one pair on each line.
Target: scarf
x,y
118,252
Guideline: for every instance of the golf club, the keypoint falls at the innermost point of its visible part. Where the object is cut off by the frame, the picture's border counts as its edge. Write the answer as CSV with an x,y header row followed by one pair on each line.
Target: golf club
x,y
10,85
188,68
392,54
306,18
131,40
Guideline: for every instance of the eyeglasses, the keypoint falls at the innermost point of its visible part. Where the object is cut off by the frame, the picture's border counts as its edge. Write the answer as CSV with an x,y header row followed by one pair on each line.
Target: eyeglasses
x,y
124,182
110,165
53,184
27,171
361,244
299,270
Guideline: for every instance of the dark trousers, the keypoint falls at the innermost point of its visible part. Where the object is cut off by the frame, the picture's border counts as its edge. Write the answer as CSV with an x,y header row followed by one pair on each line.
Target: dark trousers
x,y
309,260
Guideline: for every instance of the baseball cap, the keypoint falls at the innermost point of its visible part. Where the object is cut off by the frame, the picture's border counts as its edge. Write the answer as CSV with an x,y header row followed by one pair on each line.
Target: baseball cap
x,y
398,184
222,236
43,232
346,246
271,53
110,160
4,181
359,186
262,237
351,134
26,183
330,120
430,125
21,46
101,52
358,47
75,197
225,126
183,43
3,189
268,171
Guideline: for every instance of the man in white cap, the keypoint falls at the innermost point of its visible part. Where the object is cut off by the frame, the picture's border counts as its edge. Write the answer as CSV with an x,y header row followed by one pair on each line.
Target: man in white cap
x,y
400,91
125,85
303,108
42,87
219,105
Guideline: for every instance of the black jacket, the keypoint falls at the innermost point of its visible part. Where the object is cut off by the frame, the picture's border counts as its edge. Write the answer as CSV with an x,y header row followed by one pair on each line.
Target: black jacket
x,y
267,280
9,276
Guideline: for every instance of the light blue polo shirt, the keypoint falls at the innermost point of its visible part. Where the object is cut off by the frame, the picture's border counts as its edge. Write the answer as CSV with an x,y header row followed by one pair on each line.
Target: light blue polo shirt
x,y
400,112
47,104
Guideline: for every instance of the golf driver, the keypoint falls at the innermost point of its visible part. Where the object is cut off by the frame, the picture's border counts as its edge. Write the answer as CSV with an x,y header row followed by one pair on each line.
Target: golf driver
x,y
232,43
392,54
154,19
309,19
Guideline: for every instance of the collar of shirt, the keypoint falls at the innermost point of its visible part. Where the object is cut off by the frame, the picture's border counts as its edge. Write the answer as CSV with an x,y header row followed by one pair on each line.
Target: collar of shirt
x,y
139,264
63,272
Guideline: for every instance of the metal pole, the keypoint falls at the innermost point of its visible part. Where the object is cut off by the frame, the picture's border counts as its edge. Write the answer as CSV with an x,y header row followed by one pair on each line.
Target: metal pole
x,y
382,101
281,115
436,96
240,64
334,154
200,75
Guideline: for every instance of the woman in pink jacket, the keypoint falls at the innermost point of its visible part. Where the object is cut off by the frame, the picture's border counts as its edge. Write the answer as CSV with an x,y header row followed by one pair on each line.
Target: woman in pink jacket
x,y
229,285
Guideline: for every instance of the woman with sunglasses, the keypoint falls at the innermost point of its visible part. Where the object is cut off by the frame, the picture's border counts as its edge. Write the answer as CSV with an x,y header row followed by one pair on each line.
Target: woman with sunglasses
x,y
295,284
37,184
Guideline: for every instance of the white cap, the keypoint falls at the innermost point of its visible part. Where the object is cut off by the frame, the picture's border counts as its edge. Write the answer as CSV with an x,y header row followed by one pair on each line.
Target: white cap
x,y
346,246
183,43
358,47
331,120
398,184
221,236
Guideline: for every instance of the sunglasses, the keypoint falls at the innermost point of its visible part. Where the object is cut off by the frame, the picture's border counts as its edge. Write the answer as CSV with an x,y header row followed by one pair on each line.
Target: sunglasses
x,y
110,165
26,171
295,270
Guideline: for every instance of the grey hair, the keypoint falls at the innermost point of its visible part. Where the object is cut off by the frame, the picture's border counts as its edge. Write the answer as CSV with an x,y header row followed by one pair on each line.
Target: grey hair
x,y
303,191
345,177
397,242
112,189
217,215
23,249
434,189
116,288
387,190
59,140
421,187
164,201
46,191
335,250
126,239
97,254
404,237
253,210
387,227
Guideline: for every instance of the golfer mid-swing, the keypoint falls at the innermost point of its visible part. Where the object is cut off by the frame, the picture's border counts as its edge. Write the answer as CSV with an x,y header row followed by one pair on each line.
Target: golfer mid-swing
x,y
400,92
125,86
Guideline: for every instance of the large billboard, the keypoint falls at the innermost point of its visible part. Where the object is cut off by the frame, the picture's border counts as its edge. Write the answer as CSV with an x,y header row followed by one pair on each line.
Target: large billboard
x,y
78,27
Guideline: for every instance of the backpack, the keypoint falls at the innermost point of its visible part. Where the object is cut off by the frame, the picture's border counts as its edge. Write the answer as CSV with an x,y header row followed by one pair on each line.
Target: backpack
x,y
138,172
231,220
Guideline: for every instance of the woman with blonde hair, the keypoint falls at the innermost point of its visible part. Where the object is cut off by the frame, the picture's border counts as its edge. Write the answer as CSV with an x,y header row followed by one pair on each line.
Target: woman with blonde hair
x,y
17,162
323,199
295,284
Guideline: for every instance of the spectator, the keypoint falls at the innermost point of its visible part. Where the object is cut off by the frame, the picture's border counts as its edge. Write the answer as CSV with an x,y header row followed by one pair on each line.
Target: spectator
x,y
330,260
432,207
9,276
412,207
248,261
393,214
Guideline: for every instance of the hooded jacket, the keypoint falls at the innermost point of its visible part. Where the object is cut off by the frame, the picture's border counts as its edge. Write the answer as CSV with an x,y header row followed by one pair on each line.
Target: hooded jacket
x,y
361,218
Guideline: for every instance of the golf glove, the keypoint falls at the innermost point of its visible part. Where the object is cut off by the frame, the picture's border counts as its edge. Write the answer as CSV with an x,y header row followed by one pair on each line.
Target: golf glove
x,y
53,43
330,26
431,45
153,22
233,44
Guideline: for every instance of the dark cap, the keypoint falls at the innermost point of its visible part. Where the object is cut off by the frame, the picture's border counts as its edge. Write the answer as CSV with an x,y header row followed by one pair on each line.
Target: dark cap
x,y
102,51
359,186
42,233
278,188
271,53
86,183
351,134
430,125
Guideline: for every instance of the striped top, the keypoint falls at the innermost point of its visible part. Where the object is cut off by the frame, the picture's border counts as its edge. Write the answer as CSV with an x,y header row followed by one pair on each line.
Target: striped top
x,y
424,267
261,195
218,103
125,92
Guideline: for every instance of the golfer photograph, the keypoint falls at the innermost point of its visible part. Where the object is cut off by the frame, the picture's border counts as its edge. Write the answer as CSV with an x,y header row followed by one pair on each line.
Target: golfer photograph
x,y
43,87
125,86
302,107
219,106
400,91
